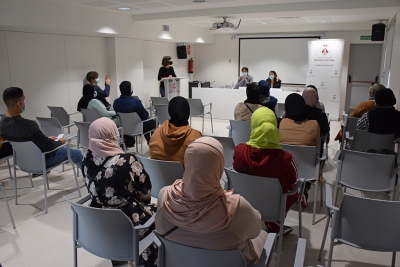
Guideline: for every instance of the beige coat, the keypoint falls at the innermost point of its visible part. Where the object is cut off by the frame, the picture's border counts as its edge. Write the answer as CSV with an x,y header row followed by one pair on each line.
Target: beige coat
x,y
243,113
305,133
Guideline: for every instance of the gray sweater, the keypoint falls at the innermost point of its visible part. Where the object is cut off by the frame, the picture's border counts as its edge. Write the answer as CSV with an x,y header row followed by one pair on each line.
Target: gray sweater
x,y
242,83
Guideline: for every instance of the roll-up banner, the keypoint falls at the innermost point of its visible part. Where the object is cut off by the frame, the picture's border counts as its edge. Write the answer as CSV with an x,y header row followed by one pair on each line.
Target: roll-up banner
x,y
325,72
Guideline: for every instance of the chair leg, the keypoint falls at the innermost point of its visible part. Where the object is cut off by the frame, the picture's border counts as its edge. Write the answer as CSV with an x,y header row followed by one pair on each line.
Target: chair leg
x,y
141,145
45,181
393,258
9,168
15,182
73,169
300,221
324,238
8,207
75,254
63,167
315,201
212,127
280,243
322,193
331,252
30,178
202,126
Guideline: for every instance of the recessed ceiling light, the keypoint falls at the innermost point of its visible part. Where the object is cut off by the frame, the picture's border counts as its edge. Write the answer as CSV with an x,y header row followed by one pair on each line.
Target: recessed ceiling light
x,y
199,1
264,23
124,8
323,21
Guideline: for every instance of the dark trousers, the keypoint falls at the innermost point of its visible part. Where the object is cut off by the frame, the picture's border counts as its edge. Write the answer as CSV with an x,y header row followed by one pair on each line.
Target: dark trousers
x,y
6,150
162,92
147,126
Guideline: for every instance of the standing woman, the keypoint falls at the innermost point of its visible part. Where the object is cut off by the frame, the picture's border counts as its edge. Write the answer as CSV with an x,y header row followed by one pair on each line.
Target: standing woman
x,y
273,80
166,71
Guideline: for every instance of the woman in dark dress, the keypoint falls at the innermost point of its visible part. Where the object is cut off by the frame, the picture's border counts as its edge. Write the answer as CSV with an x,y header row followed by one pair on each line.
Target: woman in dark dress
x,y
166,71
117,180
273,80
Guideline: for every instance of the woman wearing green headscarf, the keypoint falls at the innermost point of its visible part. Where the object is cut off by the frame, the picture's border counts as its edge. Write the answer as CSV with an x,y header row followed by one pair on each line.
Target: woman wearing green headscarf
x,y
263,156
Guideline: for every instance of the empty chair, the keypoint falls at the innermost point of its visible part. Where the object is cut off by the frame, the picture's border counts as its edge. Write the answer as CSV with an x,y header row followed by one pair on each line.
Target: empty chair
x,y
364,140
265,195
159,100
161,173
229,149
7,206
31,159
62,116
171,254
83,134
309,167
90,115
52,127
161,113
280,110
348,131
95,231
197,109
240,131
363,223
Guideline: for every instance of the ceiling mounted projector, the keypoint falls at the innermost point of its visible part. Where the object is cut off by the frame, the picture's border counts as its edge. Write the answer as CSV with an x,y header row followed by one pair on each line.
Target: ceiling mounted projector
x,y
225,26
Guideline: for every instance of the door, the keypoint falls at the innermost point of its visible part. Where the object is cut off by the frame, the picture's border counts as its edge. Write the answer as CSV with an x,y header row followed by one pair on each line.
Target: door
x,y
364,68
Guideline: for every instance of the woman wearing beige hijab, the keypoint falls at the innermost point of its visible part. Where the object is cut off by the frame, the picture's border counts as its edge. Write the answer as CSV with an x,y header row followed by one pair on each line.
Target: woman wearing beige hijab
x,y
196,211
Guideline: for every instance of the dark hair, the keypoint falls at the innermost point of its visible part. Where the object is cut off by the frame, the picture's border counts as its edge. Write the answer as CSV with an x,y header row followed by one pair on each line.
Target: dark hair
x,y
125,88
312,86
91,75
165,60
11,95
246,69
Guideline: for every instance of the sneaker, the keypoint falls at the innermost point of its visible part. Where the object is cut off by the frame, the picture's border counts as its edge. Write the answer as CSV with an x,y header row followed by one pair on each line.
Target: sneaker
x,y
34,175
287,230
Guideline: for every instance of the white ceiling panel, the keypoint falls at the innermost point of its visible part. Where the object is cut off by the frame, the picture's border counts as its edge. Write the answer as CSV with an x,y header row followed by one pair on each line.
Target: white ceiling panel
x,y
100,3
152,5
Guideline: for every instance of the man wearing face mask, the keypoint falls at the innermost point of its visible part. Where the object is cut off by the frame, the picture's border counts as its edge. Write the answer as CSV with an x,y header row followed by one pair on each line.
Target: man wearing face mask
x,y
93,79
244,78
17,129
166,71
273,80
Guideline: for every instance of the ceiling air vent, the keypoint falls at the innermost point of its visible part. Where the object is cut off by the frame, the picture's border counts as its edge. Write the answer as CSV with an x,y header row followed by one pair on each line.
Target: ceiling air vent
x,y
165,28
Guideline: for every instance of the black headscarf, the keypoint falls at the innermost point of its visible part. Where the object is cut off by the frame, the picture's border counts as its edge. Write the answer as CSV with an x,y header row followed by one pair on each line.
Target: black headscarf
x,y
179,111
126,88
295,107
385,98
87,95
253,94
264,88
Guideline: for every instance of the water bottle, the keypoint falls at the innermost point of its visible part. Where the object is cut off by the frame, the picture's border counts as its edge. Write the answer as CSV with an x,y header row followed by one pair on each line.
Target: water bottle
x,y
233,85
199,85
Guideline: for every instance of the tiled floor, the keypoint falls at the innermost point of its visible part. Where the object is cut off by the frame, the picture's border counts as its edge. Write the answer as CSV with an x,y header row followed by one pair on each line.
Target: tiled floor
x,y
44,240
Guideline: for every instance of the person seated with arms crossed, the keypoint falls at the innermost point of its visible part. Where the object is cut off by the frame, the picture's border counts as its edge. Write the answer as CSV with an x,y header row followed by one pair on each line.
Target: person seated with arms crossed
x,y
265,98
363,107
385,119
117,180
263,156
128,104
93,78
313,113
244,110
244,79
169,142
15,128
195,211
89,101
319,104
273,80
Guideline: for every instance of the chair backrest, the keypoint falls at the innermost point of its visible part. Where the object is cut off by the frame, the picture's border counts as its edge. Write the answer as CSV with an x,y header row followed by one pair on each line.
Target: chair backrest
x,y
306,158
196,107
90,115
28,156
136,97
229,149
363,140
267,201
50,126
350,111
83,133
366,171
161,173
161,113
241,131
60,114
280,109
174,254
351,124
107,233
368,223
130,123
159,100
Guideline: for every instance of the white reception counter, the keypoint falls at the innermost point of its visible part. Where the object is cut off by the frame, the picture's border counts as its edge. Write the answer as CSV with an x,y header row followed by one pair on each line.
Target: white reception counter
x,y
224,100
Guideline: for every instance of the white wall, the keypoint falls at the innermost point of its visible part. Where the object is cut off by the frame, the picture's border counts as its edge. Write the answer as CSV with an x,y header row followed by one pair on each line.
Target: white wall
x,y
395,62
5,79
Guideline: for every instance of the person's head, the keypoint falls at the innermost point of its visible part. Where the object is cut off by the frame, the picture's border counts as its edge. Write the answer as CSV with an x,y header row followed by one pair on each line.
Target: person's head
x,y
264,131
310,96
92,77
313,87
295,107
166,61
14,99
253,94
104,138
272,74
89,91
374,89
179,111
264,88
126,88
245,70
385,98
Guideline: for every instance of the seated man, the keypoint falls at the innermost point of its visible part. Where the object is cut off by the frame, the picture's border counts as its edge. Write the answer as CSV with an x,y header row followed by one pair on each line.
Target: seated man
x,y
128,104
93,78
17,129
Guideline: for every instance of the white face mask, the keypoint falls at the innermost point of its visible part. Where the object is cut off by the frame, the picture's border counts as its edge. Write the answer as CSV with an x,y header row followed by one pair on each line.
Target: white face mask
x,y
24,108
97,80
244,74
271,76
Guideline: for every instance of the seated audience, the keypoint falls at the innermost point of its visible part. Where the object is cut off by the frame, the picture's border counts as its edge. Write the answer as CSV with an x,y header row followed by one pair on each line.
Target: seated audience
x,y
265,98
117,180
313,113
15,128
243,111
169,142
244,79
88,101
93,78
263,156
385,119
5,148
195,211
128,104
363,107
319,104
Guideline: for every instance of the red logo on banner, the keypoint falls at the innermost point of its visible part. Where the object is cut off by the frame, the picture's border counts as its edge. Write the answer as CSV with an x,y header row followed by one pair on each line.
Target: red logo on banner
x,y
325,50
188,49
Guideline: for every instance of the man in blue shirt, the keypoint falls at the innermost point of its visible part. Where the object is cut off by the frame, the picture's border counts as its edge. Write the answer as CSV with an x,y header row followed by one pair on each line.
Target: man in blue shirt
x,y
93,78
128,104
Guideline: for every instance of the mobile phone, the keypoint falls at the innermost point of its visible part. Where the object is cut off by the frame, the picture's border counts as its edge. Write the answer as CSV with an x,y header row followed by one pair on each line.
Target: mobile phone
x,y
59,136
